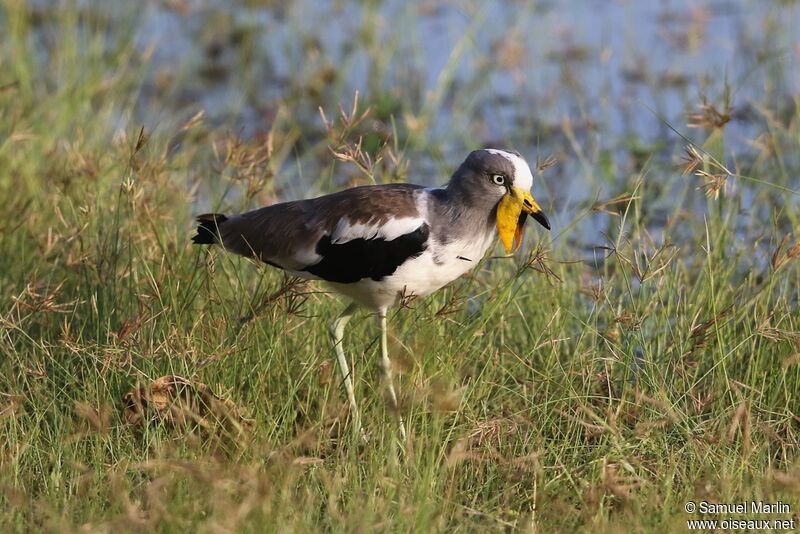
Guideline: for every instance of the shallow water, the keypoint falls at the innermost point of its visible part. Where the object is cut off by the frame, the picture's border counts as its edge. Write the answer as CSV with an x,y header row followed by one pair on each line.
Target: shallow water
x,y
620,53
593,82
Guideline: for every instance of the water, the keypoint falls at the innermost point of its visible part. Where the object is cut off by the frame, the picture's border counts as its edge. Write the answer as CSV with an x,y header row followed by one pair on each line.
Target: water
x,y
591,81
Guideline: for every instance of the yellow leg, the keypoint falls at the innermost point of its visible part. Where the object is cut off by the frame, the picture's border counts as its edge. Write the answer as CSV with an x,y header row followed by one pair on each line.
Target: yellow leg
x,y
337,335
386,363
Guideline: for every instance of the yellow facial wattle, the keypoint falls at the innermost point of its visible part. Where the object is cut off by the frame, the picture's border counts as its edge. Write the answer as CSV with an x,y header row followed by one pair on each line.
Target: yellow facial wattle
x,y
512,211
508,219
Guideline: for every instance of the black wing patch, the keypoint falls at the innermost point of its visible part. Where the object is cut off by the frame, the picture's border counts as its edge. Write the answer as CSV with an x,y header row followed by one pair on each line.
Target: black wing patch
x,y
366,258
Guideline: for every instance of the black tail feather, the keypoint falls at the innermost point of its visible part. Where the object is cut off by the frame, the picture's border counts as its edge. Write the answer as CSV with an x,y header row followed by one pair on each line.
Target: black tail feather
x,y
208,228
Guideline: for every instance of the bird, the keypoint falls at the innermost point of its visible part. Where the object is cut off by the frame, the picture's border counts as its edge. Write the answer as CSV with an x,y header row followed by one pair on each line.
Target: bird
x,y
380,244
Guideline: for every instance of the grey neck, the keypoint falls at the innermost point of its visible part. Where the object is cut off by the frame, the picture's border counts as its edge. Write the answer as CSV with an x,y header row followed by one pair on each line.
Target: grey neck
x,y
456,213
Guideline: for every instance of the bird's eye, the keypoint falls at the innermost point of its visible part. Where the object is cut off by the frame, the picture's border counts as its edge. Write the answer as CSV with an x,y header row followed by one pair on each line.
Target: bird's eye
x,y
498,179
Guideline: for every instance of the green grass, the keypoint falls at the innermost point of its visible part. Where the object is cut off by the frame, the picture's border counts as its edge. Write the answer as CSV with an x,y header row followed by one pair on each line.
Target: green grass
x,y
542,392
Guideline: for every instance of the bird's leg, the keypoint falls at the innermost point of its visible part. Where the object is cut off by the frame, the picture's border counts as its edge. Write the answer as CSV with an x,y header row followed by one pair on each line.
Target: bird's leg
x,y
337,335
387,372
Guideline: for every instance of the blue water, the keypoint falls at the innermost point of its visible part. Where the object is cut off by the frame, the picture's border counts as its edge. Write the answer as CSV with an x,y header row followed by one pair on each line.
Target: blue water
x,y
589,81
614,40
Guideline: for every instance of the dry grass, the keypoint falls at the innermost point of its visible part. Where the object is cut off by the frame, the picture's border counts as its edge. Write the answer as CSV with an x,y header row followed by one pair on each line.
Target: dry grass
x,y
146,384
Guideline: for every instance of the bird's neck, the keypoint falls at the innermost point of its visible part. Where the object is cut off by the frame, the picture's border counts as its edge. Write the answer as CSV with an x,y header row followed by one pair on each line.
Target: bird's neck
x,y
465,212
463,196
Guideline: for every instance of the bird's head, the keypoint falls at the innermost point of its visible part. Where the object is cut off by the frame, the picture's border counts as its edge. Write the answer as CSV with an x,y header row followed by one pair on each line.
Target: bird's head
x,y
503,178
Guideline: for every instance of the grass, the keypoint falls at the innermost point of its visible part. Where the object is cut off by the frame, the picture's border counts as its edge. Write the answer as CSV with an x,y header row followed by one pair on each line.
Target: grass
x,y
559,390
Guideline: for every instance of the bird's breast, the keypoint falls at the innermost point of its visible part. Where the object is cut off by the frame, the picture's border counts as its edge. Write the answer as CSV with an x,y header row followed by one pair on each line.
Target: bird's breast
x,y
439,265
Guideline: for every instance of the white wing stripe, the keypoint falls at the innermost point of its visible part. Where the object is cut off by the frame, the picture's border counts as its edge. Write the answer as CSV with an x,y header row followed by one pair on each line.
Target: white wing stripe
x,y
392,229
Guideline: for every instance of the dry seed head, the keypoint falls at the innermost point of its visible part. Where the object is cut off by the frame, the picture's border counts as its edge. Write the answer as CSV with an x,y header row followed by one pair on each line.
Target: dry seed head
x,y
713,184
539,261
692,159
741,421
709,116
783,255
700,333
621,201
546,163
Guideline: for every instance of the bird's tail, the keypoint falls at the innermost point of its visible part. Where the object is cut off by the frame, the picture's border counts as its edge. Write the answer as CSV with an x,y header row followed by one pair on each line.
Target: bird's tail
x,y
208,228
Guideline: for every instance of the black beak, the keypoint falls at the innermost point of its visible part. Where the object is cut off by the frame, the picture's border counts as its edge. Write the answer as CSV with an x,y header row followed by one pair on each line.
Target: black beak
x,y
541,219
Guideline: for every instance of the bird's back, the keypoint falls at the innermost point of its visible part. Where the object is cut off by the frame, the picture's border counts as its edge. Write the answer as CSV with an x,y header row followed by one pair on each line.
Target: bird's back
x,y
341,237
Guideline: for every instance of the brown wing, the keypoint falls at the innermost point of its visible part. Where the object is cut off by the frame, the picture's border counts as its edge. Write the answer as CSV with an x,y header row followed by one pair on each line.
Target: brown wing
x,y
287,235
